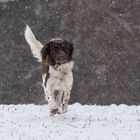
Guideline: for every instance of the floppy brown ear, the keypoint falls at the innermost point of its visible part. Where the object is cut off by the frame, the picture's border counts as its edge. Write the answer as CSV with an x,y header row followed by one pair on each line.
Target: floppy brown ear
x,y
45,59
45,52
71,50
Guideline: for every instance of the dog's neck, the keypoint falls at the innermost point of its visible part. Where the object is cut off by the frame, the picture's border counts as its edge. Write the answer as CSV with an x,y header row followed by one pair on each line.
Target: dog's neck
x,y
61,69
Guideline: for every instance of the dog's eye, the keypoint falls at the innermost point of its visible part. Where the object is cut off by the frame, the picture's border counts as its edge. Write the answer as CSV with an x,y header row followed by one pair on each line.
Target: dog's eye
x,y
54,48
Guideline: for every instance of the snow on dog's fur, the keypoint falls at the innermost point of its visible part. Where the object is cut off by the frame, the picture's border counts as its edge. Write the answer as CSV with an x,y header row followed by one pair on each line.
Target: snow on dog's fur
x,y
56,63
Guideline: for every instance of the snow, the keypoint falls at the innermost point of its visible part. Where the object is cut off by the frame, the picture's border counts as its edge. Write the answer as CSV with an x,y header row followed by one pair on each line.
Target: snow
x,y
32,122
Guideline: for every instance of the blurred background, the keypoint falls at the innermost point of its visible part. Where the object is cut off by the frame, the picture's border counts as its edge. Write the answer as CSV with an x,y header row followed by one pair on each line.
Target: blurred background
x,y
106,38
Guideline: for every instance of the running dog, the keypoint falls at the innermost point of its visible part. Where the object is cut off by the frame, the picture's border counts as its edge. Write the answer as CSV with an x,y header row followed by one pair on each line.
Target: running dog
x,y
56,68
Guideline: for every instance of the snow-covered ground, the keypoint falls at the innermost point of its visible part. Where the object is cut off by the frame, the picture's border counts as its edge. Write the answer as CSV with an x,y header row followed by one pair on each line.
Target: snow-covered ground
x,y
32,122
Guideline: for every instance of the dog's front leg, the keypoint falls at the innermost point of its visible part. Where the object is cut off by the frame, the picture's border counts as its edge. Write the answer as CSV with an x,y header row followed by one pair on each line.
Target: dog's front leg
x,y
53,105
55,102
64,102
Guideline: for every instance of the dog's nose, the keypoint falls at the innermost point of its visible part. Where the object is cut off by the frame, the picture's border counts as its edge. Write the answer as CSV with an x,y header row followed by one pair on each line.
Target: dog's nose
x,y
61,57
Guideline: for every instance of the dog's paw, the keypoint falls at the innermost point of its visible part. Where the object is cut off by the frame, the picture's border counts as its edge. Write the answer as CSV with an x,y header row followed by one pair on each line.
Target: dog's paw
x,y
53,112
63,108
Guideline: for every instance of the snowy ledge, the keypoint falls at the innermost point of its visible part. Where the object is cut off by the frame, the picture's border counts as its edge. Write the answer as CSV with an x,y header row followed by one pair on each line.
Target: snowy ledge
x,y
31,122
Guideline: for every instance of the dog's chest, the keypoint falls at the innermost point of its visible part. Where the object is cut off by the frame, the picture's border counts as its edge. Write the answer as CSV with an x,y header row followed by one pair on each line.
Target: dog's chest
x,y
60,77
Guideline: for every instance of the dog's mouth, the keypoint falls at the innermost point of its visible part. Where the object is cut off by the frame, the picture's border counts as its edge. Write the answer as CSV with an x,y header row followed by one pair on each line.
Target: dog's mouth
x,y
58,62
60,59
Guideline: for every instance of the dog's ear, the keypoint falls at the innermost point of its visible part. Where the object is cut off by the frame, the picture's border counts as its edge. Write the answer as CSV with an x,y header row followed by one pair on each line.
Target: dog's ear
x,y
45,52
70,50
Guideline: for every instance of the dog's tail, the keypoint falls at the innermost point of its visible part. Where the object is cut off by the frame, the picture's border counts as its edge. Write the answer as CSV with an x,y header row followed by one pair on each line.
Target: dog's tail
x,y
35,45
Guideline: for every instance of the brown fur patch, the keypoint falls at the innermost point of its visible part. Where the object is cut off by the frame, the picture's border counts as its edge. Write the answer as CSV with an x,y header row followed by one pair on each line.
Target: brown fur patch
x,y
55,45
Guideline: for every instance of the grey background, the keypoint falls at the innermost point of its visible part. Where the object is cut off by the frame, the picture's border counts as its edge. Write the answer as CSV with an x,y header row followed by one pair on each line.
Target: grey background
x,y
106,37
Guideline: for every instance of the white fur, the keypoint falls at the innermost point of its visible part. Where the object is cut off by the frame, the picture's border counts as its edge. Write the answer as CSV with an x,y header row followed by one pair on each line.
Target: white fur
x,y
56,39
35,45
60,78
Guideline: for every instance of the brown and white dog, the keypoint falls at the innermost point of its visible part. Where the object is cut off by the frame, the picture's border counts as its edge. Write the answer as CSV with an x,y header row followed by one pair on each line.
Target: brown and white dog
x,y
56,64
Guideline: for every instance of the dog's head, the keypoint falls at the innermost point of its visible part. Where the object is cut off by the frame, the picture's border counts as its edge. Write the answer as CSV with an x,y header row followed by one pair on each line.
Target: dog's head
x,y
57,51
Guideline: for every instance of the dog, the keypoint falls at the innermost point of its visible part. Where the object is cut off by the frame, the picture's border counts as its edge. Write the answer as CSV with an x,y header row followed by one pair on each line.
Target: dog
x,y
56,68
